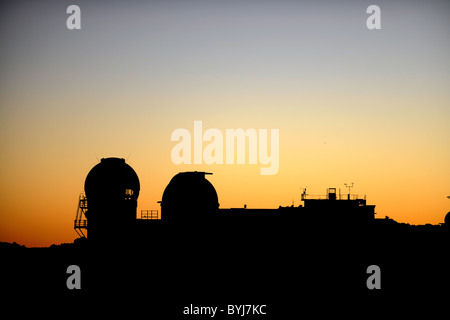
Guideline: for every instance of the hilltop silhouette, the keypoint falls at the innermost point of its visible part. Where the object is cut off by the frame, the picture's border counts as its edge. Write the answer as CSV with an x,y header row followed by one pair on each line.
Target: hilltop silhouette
x,y
193,251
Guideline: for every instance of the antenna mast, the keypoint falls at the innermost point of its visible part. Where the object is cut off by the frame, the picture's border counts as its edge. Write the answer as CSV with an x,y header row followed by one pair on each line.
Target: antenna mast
x,y
349,187
304,193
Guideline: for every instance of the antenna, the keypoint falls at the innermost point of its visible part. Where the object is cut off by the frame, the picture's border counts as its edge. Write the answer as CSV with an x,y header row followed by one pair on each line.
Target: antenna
x,y
304,193
349,187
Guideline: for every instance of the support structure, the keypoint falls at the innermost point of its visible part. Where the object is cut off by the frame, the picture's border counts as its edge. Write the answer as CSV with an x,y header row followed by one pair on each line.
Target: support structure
x,y
80,221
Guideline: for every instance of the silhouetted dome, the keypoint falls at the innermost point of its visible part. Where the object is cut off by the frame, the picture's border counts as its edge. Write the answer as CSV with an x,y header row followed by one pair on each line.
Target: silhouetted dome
x,y
447,219
112,178
189,196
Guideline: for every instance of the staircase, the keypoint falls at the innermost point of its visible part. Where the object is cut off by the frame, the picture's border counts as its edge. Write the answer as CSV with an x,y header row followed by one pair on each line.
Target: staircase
x,y
80,221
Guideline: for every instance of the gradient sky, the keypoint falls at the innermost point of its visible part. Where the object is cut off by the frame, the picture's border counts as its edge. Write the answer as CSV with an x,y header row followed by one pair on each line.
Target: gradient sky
x,y
351,104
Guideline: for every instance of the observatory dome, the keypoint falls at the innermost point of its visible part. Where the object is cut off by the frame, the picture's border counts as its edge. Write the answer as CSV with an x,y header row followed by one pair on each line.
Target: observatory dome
x,y
112,188
112,178
189,195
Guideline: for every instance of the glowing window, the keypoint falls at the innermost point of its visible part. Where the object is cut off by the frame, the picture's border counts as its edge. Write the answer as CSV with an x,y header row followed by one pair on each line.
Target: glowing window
x,y
128,193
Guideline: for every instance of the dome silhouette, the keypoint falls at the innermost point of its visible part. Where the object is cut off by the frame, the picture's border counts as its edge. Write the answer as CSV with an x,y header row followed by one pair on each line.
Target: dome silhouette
x,y
112,188
447,219
188,196
111,178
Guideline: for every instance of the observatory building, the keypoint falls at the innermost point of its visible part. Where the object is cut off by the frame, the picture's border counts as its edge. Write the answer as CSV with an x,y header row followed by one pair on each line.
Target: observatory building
x,y
112,189
349,209
189,196
108,208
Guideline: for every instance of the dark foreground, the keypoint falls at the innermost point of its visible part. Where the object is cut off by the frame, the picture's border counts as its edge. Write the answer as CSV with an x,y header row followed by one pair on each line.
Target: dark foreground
x,y
290,272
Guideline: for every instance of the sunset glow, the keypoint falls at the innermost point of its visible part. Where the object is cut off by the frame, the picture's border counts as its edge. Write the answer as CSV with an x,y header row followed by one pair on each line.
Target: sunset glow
x,y
351,104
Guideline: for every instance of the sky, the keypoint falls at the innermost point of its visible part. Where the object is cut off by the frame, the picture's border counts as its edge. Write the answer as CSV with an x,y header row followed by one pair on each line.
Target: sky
x,y
351,104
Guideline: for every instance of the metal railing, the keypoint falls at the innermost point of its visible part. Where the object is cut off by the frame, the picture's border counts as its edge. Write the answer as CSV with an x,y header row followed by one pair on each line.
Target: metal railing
x,y
314,197
150,215
338,197
80,223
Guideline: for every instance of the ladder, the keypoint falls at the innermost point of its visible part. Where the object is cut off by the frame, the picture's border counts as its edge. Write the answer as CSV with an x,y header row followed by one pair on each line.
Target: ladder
x,y
80,221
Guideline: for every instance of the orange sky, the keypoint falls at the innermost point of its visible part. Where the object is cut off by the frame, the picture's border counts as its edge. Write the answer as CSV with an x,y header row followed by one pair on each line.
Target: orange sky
x,y
351,105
